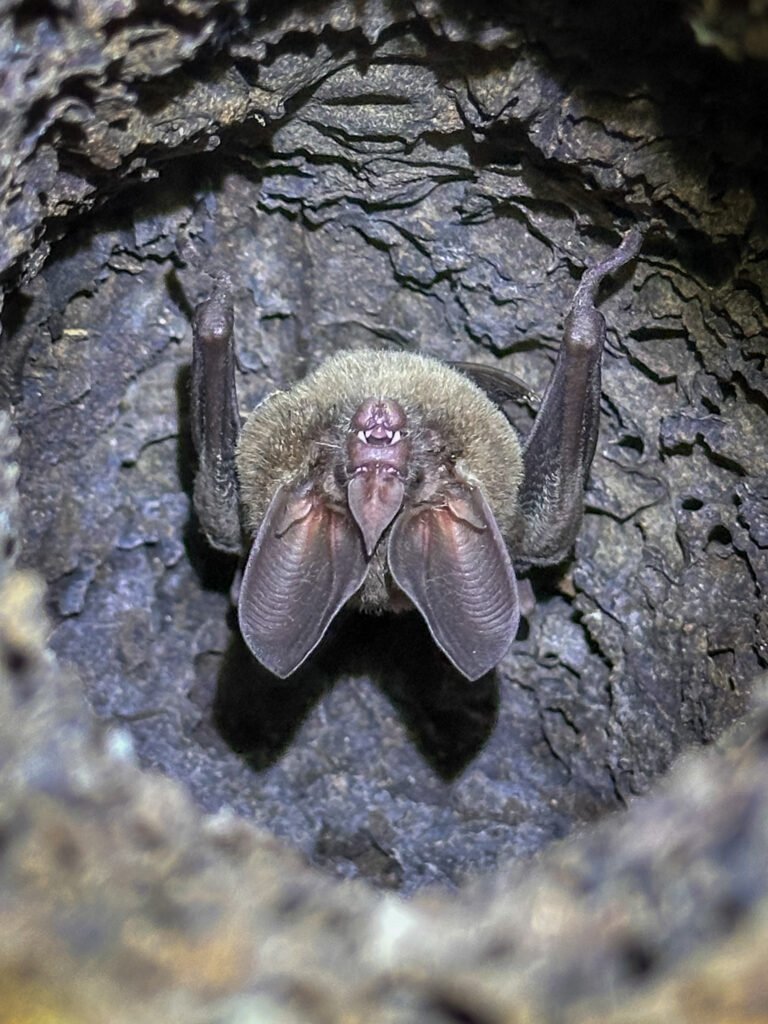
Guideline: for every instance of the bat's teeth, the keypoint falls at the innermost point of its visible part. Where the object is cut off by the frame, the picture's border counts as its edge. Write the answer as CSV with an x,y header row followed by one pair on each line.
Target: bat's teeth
x,y
372,436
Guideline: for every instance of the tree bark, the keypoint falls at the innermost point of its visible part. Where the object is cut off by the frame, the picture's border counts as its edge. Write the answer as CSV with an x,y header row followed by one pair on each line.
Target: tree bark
x,y
378,174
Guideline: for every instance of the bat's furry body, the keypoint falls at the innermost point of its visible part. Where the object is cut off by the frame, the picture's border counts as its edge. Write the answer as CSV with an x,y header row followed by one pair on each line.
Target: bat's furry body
x,y
299,433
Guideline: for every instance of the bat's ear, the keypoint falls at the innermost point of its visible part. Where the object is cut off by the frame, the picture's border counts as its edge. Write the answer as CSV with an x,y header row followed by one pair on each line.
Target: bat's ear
x,y
306,561
452,562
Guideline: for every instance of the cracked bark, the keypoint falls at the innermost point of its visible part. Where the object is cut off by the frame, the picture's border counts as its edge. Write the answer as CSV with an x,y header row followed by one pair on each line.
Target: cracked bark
x,y
370,174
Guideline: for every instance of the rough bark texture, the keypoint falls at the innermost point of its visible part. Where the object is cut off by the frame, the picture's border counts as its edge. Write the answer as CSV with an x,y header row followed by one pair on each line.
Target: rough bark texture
x,y
739,29
383,173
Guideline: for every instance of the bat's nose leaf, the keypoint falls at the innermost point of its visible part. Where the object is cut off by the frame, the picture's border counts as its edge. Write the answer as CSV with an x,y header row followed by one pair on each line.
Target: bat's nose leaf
x,y
375,497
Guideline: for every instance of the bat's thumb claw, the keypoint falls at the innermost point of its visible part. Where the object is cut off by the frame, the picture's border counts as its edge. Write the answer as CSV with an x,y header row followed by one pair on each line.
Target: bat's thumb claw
x,y
626,251
631,244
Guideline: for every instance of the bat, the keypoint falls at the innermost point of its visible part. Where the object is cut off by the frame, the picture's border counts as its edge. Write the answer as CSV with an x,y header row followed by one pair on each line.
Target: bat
x,y
390,480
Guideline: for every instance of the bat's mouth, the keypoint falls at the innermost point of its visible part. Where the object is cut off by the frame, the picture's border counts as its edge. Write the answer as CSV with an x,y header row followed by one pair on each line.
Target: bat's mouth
x,y
379,435
377,440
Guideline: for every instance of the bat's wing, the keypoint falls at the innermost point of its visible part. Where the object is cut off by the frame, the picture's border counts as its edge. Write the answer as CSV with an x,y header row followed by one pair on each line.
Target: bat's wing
x,y
306,561
453,564
500,386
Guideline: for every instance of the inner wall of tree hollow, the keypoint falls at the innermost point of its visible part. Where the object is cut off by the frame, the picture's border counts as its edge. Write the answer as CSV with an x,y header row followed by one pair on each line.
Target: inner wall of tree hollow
x,y
422,179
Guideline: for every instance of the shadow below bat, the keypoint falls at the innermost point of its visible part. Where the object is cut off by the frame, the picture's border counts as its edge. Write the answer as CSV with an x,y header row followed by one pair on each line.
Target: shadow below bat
x,y
448,719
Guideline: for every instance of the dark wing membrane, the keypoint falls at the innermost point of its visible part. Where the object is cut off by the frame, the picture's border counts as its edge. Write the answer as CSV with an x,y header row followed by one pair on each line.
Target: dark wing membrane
x,y
500,386
452,562
306,561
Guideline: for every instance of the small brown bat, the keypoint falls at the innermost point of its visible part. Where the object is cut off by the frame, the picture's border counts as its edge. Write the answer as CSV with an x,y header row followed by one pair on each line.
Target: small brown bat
x,y
393,480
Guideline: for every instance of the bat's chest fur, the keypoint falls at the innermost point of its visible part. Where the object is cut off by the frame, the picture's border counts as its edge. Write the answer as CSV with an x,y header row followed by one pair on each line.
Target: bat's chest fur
x,y
379,592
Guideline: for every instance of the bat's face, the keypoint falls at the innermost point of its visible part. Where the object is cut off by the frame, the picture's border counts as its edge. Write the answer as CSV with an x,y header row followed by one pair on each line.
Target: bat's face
x,y
387,476
378,451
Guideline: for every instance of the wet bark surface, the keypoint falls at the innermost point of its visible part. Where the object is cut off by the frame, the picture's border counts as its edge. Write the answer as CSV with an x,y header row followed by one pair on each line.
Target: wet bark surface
x,y
393,176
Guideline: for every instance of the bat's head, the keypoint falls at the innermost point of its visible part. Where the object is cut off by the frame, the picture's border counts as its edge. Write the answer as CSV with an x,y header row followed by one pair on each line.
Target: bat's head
x,y
388,473
378,450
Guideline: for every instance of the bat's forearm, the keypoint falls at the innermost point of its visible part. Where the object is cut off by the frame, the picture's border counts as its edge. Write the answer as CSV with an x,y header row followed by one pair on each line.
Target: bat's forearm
x,y
216,420
559,450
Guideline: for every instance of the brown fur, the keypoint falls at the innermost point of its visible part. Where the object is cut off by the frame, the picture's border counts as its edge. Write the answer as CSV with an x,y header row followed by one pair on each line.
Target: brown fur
x,y
286,435
274,447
